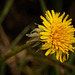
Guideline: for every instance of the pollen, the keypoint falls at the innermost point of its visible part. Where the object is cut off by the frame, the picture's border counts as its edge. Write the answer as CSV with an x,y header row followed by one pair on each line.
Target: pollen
x,y
57,34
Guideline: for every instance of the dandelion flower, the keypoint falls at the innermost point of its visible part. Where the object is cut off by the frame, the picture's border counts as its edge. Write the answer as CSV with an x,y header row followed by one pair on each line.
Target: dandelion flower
x,y
57,35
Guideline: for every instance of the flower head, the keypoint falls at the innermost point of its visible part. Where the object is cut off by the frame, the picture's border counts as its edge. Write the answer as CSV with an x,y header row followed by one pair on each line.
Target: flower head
x,y
58,35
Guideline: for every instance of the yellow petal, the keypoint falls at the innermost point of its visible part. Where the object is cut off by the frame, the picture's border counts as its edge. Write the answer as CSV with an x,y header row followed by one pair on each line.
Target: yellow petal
x,y
69,20
57,54
48,18
57,14
44,37
47,52
67,55
64,57
48,12
42,27
53,13
45,33
52,51
46,45
61,17
48,24
61,56
65,18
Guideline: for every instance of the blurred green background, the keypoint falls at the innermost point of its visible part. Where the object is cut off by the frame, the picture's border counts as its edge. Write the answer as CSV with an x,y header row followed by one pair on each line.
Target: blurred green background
x,y
17,17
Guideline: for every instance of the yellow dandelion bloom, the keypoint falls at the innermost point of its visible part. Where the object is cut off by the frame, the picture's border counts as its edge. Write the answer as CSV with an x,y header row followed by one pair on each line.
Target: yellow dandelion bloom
x,y
57,34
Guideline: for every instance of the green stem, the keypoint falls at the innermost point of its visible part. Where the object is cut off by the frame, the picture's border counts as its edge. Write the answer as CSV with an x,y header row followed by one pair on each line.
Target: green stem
x,y
13,52
22,63
5,10
45,60
18,38
71,58
70,62
73,72
57,71
2,68
7,6
43,6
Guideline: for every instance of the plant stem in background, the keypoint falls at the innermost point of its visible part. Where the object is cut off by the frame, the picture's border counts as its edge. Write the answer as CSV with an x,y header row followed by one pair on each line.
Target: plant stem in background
x,y
73,72
14,52
22,63
17,50
2,68
6,10
70,61
19,37
43,6
4,37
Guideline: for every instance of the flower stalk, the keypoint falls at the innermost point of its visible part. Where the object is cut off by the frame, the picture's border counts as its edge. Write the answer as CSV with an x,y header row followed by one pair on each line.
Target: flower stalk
x,y
14,52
